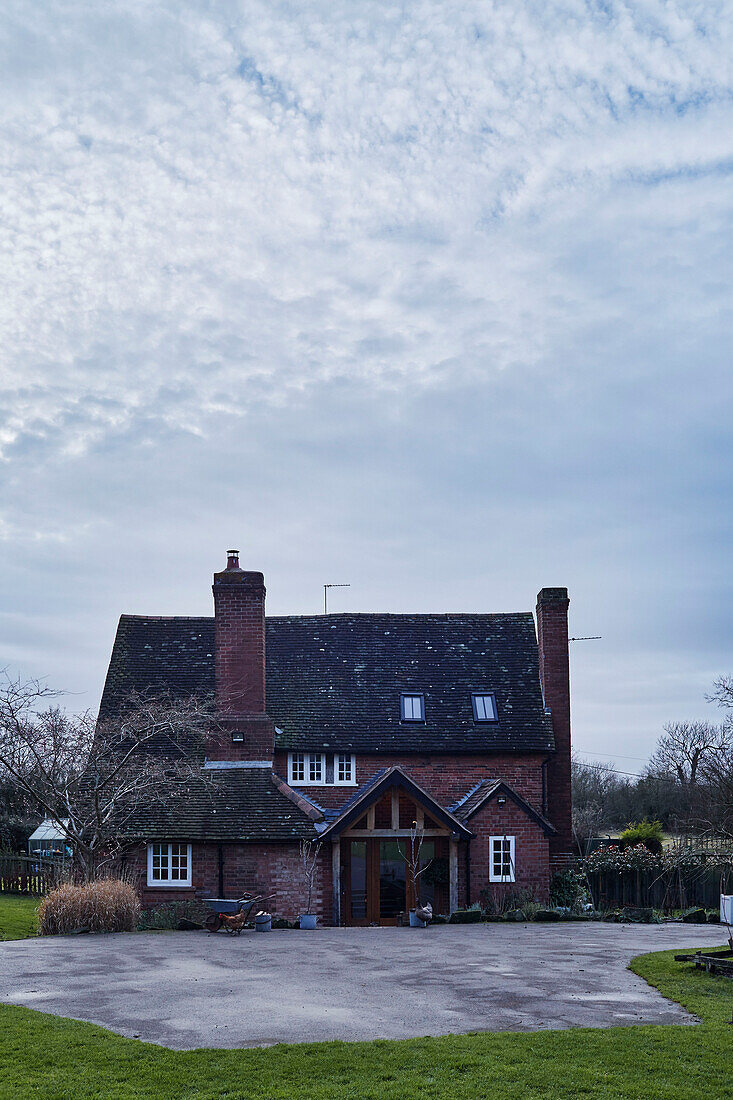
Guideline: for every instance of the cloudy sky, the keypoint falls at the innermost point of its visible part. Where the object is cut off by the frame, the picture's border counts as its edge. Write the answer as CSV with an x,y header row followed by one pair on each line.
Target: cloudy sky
x,y
431,298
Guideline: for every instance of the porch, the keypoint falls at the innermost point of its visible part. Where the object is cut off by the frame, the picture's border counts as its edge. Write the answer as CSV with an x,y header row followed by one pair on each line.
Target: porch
x,y
393,848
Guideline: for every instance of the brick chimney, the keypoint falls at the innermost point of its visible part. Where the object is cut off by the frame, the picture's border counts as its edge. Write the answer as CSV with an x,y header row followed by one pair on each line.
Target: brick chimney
x,y
552,638
239,616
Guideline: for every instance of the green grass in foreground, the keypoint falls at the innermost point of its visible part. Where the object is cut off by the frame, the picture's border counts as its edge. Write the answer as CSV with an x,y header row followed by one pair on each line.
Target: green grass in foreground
x,y
18,917
55,1059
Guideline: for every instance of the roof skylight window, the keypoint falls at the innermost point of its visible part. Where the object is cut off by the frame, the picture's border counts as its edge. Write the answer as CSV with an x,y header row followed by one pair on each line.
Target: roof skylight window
x,y
413,708
484,706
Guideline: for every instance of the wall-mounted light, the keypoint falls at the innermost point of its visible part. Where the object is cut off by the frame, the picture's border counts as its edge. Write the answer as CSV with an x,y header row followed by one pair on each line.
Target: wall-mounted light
x,y
501,799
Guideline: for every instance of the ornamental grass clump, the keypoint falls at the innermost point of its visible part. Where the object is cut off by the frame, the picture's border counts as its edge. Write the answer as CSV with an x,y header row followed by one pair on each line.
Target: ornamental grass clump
x,y
107,905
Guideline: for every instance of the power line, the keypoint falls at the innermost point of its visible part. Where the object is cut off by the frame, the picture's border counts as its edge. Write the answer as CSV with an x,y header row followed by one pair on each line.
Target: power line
x,y
631,775
590,752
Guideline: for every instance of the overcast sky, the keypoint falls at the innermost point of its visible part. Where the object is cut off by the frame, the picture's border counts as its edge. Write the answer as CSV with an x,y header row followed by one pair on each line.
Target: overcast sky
x,y
430,298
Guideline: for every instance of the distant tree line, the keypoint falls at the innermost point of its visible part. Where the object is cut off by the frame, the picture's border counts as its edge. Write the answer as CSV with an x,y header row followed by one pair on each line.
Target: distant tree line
x,y
687,785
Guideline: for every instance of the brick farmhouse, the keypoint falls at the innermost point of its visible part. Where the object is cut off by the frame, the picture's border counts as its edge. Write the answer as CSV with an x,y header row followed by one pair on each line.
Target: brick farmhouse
x,y
348,730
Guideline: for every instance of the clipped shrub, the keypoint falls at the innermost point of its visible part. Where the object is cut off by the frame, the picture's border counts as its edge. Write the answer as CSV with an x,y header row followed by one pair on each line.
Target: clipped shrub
x,y
547,915
569,890
283,922
635,914
465,916
107,905
694,916
648,833
173,915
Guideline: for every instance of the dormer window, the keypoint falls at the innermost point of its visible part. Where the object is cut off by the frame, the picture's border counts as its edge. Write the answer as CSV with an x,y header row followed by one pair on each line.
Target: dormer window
x,y
413,708
484,706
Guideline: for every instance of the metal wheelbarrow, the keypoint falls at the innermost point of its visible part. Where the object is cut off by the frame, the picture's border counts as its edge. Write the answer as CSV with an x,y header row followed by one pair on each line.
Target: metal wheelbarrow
x,y
231,913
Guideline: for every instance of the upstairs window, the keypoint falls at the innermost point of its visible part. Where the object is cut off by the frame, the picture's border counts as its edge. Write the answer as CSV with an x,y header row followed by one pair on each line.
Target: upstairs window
x,y
484,706
501,859
307,769
344,769
297,767
413,708
316,767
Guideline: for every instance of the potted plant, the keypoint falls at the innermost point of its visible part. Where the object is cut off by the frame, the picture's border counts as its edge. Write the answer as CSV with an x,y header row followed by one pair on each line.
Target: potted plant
x,y
421,915
309,851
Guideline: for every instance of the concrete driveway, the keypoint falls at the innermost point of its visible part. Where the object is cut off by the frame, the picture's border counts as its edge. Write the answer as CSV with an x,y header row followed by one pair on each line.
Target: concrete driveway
x,y
192,989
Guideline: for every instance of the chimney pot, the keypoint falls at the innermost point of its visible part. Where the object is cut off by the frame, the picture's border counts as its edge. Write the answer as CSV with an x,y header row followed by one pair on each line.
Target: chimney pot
x,y
232,559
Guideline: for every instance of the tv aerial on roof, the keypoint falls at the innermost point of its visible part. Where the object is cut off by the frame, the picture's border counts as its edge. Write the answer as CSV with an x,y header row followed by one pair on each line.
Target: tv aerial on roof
x,y
587,638
325,594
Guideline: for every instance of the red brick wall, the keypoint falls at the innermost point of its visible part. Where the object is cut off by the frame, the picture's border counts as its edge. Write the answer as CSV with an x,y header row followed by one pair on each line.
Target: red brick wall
x,y
531,851
255,868
239,614
446,777
552,637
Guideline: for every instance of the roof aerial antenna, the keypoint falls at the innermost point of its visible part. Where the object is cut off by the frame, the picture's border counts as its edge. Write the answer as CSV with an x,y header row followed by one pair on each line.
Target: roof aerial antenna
x,y
589,638
325,594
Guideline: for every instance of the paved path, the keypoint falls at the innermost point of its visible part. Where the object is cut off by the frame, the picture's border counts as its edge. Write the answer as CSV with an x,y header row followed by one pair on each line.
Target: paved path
x,y
190,989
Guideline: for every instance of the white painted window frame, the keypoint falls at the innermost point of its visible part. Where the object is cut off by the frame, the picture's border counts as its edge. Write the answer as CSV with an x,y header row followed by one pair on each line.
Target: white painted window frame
x,y
169,884
307,781
344,782
512,876
291,774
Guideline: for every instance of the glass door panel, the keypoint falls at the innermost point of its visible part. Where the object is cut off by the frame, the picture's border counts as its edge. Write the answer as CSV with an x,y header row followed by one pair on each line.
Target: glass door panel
x,y
392,880
358,880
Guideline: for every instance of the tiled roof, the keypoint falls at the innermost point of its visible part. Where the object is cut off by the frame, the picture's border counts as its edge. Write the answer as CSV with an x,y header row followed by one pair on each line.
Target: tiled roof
x,y
229,805
334,682
473,800
374,789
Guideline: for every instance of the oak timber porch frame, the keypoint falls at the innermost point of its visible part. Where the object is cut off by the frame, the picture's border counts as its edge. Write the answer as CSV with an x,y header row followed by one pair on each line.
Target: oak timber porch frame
x,y
442,826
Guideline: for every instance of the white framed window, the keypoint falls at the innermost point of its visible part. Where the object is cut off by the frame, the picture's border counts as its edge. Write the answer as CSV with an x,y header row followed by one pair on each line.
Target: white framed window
x,y
296,767
307,769
502,867
316,767
169,864
412,708
344,769
484,706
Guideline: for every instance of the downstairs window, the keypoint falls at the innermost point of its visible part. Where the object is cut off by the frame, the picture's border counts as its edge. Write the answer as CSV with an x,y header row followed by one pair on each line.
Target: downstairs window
x,y
169,864
501,859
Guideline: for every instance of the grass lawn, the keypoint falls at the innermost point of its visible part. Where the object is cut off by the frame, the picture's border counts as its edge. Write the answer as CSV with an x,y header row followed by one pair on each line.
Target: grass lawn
x,y
17,917
55,1059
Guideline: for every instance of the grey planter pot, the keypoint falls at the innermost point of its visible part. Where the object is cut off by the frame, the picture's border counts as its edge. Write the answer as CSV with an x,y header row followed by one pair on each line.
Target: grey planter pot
x,y
263,923
308,920
415,921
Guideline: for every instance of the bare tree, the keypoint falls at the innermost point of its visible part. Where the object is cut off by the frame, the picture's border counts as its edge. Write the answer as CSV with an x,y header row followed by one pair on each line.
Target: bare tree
x,y
90,778
413,857
722,694
309,852
684,749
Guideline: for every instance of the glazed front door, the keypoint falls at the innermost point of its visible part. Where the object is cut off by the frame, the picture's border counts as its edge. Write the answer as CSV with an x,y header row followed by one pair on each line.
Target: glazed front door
x,y
374,882
392,881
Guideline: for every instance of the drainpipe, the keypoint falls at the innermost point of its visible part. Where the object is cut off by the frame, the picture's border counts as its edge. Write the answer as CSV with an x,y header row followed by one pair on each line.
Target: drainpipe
x,y
545,762
221,870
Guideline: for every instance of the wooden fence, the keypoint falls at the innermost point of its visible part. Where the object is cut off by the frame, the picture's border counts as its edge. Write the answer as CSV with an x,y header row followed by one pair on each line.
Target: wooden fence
x,y
27,874
700,887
